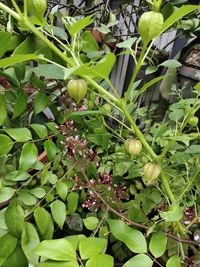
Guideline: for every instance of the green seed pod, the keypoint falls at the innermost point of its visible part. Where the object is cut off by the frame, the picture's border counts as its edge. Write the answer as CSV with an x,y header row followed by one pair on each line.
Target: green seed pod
x,y
193,121
133,146
150,24
151,173
77,89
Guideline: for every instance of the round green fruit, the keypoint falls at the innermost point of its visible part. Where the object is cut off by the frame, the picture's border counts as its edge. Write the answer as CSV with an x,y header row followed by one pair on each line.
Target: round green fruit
x,y
106,108
150,25
151,173
133,146
77,89
193,121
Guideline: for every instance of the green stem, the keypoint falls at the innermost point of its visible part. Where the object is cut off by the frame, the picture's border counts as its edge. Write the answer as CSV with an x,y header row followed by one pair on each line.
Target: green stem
x,y
190,183
10,11
135,73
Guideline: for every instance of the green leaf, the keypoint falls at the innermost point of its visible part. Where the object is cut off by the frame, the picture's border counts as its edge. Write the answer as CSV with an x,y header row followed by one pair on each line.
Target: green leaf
x,y
17,59
50,149
171,63
28,157
91,246
8,245
80,25
9,41
193,149
101,70
174,261
41,101
100,261
3,109
20,104
90,222
58,210
44,222
5,144
40,129
37,8
29,242
29,45
6,193
158,244
174,214
62,190
38,192
26,197
17,259
140,260
89,43
14,218
75,240
57,249
133,238
19,134
59,264
127,44
72,200
177,15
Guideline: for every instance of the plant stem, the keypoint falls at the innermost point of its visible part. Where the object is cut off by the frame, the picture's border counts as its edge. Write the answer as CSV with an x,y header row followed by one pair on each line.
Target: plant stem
x,y
135,73
10,11
189,185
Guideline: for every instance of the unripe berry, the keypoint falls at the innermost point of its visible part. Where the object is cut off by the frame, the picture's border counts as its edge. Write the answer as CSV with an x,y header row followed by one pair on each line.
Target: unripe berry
x,y
150,24
133,146
77,89
151,173
193,121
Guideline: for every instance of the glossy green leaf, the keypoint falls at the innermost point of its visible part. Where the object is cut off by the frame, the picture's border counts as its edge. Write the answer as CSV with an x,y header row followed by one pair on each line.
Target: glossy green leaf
x,y
16,259
59,264
7,247
26,197
140,260
29,156
158,244
57,249
13,176
174,261
37,8
62,190
171,63
38,192
19,134
58,211
50,149
100,261
133,238
91,246
40,102
14,218
5,144
3,109
50,71
29,241
174,214
72,200
89,43
90,222
44,222
20,104
6,193
17,59
127,44
80,25
75,240
40,129
29,45
177,15
9,41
